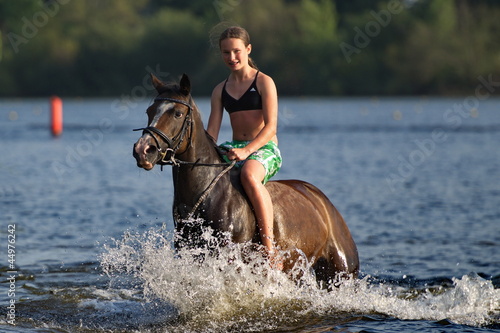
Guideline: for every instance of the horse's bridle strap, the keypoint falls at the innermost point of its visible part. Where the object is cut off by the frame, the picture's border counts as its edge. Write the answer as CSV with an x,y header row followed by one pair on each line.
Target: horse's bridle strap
x,y
151,129
174,100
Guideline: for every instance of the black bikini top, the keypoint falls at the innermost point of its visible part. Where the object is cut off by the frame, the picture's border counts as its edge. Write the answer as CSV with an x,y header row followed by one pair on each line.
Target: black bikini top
x,y
250,100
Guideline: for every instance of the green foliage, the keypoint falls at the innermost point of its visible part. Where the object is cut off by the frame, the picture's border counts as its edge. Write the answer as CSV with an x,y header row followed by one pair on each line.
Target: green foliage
x,y
309,47
317,22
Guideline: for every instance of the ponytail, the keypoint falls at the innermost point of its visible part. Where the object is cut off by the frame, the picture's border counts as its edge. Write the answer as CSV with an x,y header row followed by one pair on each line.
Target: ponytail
x,y
252,63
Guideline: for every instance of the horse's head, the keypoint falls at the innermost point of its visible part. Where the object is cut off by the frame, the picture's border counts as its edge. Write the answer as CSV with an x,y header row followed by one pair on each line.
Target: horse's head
x,y
169,122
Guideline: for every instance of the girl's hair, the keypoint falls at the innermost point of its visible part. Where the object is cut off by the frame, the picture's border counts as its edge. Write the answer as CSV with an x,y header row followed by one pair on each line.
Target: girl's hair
x,y
240,33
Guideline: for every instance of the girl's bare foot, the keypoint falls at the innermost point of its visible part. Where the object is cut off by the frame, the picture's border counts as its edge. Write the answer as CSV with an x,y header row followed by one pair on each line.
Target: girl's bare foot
x,y
275,260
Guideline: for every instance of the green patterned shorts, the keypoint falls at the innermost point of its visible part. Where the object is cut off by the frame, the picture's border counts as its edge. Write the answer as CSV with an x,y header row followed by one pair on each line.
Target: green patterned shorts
x,y
268,155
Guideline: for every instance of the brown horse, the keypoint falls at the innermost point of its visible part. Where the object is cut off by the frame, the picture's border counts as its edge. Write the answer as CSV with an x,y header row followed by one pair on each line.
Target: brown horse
x,y
305,222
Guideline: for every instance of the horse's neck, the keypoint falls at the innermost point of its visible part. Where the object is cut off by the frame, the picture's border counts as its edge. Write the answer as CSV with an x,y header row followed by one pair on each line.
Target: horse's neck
x,y
191,180
202,148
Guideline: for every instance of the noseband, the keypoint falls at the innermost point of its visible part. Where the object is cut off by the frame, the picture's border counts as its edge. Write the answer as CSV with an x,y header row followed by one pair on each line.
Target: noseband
x,y
169,141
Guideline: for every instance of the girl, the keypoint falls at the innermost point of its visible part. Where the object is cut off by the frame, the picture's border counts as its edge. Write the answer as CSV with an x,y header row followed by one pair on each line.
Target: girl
x,y
250,98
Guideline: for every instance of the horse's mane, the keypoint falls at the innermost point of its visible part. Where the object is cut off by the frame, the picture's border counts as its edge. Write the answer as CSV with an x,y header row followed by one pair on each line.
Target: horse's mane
x,y
211,138
219,150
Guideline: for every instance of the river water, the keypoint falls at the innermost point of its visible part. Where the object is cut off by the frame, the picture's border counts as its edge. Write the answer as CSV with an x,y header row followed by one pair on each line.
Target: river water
x,y
416,179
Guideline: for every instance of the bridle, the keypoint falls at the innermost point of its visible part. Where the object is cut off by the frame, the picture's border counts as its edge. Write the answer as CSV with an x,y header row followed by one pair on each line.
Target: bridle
x,y
172,148
171,160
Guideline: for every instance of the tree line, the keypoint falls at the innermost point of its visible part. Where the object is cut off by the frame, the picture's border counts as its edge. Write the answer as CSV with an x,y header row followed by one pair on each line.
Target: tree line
x,y
309,47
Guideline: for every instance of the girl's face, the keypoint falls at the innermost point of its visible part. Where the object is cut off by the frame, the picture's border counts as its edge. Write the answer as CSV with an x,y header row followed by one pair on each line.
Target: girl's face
x,y
235,53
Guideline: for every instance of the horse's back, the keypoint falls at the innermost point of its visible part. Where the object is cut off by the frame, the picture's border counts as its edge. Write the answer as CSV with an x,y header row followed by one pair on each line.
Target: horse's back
x,y
306,219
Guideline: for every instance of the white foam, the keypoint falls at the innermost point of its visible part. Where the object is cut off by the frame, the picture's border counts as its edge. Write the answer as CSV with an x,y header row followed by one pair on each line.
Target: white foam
x,y
227,290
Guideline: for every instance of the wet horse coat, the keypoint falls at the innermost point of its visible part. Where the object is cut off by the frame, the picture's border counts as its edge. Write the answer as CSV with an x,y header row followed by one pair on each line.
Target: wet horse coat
x,y
305,221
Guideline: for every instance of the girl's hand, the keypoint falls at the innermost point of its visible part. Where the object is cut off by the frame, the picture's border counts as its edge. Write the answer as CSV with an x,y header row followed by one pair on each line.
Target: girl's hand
x,y
238,154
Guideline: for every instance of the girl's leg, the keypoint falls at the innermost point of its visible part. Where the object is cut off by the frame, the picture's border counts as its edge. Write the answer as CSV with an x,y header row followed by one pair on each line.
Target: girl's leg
x,y
252,174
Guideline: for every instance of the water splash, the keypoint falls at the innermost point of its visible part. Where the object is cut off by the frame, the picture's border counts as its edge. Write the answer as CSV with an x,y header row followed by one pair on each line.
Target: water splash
x,y
235,289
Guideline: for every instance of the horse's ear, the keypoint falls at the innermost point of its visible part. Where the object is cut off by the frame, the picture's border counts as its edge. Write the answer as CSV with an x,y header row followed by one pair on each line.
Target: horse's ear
x,y
185,85
158,84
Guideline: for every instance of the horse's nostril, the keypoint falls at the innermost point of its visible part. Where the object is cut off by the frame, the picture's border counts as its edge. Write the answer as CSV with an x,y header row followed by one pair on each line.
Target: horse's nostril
x,y
151,150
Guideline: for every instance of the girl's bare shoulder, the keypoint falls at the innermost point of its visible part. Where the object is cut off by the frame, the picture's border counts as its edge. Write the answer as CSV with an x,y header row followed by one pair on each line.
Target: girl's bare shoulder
x,y
265,82
218,89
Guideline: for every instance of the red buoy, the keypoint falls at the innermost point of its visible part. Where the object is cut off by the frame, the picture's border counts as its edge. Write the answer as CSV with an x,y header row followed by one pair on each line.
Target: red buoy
x,y
56,112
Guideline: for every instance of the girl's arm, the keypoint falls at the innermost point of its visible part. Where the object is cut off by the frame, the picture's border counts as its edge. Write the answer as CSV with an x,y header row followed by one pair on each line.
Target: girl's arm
x,y
216,112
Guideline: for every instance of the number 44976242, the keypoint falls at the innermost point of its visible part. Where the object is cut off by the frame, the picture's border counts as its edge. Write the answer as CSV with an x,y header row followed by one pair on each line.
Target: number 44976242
x,y
11,246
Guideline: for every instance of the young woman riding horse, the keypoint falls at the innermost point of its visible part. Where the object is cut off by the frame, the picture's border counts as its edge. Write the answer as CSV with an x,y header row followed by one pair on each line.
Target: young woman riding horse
x,y
250,98
208,193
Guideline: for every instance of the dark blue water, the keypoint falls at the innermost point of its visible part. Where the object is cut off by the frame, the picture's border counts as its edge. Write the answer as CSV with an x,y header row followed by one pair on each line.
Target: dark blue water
x,y
417,180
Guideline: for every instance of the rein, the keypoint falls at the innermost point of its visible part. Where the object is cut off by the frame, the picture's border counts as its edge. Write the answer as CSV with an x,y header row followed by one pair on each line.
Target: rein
x,y
205,193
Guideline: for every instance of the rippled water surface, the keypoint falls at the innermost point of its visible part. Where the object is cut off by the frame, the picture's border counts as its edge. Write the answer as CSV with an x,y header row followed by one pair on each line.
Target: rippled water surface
x,y
417,181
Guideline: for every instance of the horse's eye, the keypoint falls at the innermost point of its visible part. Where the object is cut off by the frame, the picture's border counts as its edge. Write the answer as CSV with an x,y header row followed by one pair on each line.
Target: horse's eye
x,y
177,114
